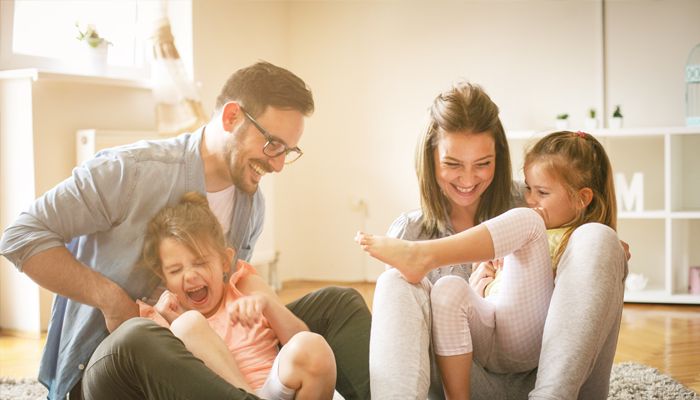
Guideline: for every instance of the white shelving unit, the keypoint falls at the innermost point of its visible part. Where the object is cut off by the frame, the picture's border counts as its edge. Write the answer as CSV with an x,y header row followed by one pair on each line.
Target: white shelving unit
x,y
664,236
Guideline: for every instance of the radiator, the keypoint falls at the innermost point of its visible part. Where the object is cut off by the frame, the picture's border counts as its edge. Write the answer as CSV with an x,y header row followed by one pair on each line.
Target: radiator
x,y
90,141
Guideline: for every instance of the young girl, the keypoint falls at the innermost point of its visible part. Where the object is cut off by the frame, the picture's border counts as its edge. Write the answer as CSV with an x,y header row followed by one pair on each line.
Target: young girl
x,y
235,325
569,182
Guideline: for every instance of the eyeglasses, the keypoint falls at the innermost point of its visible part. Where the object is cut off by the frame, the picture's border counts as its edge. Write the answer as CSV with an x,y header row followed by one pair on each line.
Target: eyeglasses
x,y
274,147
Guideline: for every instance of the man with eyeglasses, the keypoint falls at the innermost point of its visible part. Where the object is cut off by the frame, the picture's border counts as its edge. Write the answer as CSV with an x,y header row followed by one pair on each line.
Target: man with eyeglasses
x,y
83,238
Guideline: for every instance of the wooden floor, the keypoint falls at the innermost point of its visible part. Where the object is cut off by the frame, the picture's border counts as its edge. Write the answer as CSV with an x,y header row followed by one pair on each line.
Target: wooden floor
x,y
664,337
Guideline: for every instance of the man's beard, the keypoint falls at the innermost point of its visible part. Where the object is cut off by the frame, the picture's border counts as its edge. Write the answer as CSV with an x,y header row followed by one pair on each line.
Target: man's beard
x,y
237,171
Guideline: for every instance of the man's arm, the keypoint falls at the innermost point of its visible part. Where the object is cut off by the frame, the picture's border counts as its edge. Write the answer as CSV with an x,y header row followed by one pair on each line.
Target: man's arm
x,y
93,199
58,271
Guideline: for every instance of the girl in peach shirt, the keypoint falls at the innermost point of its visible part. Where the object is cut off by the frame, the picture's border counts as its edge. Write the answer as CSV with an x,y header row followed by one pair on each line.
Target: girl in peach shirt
x,y
234,325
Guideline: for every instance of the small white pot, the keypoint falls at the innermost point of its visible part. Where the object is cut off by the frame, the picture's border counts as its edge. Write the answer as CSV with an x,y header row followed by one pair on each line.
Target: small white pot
x,y
636,282
615,123
590,123
94,59
562,124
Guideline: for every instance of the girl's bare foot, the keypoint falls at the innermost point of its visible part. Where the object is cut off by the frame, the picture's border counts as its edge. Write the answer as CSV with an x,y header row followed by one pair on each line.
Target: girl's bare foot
x,y
401,254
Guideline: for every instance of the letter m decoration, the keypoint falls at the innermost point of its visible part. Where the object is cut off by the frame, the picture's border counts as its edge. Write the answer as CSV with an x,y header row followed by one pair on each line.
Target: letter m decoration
x,y
630,197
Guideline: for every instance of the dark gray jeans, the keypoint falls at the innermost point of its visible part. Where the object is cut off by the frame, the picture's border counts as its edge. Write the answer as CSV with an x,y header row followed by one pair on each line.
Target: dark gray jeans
x,y
141,360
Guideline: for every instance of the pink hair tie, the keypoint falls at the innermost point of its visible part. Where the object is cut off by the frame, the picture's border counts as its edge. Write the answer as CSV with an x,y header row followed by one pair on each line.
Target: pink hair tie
x,y
581,134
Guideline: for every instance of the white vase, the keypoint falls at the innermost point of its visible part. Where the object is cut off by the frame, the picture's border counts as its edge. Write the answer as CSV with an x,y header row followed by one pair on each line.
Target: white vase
x,y
636,282
616,123
562,124
590,123
94,59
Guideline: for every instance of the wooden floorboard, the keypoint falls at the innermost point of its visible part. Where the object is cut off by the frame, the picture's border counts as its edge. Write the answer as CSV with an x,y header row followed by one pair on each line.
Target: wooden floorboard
x,y
662,336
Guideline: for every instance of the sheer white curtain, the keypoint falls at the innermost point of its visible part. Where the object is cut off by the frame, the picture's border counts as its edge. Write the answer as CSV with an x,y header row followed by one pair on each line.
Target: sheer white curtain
x,y
178,105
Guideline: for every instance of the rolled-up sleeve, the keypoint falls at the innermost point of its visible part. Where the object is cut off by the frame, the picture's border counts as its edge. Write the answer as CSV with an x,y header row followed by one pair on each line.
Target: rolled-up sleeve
x,y
92,199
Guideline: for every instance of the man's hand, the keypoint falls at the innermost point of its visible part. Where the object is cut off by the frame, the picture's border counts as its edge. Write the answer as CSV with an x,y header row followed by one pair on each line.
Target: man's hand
x,y
58,271
119,311
247,310
168,306
483,274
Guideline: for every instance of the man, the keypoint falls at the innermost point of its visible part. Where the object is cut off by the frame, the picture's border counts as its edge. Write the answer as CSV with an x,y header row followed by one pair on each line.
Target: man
x,y
82,240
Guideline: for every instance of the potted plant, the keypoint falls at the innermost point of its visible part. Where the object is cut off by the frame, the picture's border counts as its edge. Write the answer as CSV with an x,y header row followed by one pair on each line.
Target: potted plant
x,y
562,122
91,37
616,120
591,121
95,51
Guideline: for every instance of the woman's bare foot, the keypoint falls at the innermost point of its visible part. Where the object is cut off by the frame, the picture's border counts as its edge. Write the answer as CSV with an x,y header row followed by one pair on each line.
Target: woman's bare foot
x,y
403,255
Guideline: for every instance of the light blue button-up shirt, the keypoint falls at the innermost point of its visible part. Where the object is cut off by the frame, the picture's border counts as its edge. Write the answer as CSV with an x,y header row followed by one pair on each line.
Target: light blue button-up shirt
x,y
100,213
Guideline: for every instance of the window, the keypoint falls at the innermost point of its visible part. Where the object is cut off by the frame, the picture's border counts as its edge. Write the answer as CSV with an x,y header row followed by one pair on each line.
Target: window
x,y
43,34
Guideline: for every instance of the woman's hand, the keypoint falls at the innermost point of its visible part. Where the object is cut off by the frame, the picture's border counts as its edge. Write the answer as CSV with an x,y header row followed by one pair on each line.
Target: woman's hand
x,y
168,306
247,310
626,247
483,274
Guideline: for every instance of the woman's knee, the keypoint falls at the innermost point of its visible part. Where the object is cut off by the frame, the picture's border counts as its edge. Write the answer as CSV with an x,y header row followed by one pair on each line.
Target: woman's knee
x,y
399,305
392,278
594,232
596,246
596,236
392,286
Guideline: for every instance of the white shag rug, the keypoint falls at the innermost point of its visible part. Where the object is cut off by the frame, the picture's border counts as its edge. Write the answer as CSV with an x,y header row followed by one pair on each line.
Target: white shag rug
x,y
632,381
21,389
628,381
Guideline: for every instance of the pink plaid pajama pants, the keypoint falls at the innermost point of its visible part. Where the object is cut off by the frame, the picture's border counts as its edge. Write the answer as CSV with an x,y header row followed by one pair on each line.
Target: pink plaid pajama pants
x,y
503,330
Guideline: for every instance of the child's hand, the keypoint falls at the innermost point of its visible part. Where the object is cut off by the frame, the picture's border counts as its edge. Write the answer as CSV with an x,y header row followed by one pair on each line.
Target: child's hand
x,y
247,310
483,274
168,306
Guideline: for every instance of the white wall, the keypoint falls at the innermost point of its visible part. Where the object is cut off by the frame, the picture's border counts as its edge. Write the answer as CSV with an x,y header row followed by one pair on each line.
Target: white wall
x,y
375,71
38,123
375,66
648,46
15,150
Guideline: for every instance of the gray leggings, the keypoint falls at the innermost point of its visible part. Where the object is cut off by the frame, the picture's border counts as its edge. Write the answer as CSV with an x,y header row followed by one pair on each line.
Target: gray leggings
x,y
578,344
141,360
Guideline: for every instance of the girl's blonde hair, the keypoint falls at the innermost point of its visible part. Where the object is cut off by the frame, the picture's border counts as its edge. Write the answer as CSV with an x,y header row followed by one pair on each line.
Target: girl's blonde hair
x,y
463,109
190,222
579,161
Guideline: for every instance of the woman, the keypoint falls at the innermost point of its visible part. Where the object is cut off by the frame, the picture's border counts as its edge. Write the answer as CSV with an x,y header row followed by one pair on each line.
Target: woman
x,y
463,167
464,175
